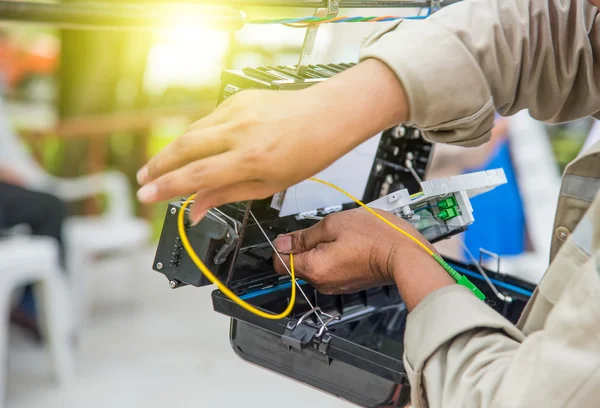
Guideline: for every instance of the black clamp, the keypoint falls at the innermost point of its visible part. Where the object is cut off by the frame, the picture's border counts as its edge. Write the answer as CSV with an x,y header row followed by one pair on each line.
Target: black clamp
x,y
298,336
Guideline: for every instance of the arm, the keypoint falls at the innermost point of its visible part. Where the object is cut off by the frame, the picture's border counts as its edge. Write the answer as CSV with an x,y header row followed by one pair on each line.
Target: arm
x,y
476,56
454,69
458,351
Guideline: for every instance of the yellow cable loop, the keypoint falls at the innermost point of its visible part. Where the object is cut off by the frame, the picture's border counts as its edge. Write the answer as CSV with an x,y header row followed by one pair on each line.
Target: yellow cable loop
x,y
242,303
224,289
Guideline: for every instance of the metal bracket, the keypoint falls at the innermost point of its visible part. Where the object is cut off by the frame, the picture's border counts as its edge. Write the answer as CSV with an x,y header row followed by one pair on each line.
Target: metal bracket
x,y
479,266
335,316
231,239
493,255
333,8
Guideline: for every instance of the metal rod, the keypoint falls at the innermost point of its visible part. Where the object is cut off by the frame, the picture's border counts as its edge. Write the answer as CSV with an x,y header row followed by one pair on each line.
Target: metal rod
x,y
284,265
409,165
323,3
137,16
105,16
241,234
499,295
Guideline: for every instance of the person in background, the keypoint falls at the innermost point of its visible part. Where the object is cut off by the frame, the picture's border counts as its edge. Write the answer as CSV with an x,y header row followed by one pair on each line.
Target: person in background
x,y
44,214
500,226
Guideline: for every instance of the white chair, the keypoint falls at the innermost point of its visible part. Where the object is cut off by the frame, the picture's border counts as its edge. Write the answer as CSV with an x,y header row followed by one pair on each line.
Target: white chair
x,y
117,230
34,260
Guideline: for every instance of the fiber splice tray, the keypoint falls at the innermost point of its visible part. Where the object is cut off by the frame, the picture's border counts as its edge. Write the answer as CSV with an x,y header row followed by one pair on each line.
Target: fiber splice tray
x,y
350,346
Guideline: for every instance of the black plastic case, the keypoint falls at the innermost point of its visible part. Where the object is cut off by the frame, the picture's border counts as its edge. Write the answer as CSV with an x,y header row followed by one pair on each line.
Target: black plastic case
x,y
358,357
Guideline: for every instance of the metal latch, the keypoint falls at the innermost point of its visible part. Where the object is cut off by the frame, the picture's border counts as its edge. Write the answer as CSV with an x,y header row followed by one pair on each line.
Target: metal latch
x,y
231,241
299,335
231,238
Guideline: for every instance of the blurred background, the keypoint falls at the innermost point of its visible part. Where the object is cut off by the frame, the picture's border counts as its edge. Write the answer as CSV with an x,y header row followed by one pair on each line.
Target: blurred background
x,y
81,112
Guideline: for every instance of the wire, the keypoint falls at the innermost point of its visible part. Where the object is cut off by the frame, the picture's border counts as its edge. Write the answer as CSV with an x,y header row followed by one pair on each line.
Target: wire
x,y
363,205
303,22
283,263
424,208
224,289
417,195
460,279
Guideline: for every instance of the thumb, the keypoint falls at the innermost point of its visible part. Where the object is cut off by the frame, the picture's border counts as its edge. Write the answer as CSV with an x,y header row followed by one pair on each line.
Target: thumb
x,y
304,240
304,264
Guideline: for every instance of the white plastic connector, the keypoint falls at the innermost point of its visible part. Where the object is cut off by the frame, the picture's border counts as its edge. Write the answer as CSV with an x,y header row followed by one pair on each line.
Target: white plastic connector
x,y
473,183
461,187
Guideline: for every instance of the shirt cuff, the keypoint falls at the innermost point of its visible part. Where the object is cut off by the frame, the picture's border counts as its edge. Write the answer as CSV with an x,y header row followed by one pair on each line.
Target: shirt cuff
x,y
445,314
448,96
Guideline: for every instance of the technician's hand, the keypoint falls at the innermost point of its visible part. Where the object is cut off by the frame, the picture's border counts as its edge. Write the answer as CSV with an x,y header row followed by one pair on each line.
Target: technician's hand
x,y
353,250
257,143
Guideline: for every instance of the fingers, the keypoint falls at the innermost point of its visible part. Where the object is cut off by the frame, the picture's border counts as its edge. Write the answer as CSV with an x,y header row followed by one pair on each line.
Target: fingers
x,y
304,240
199,176
222,195
191,146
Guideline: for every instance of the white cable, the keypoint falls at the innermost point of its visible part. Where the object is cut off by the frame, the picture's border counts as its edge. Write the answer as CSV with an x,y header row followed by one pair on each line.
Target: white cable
x,y
285,266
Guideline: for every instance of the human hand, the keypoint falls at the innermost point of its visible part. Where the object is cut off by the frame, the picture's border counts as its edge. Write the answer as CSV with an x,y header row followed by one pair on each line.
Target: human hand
x,y
257,143
352,250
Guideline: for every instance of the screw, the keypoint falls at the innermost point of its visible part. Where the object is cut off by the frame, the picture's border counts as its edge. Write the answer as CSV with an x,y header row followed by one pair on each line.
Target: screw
x,y
159,265
398,132
173,211
173,284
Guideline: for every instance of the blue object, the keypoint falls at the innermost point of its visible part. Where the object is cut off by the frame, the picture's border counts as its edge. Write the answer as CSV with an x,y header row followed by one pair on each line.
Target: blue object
x,y
497,283
499,216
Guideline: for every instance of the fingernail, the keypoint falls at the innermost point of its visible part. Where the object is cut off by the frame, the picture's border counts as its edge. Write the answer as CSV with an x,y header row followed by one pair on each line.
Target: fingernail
x,y
147,193
142,175
283,244
197,218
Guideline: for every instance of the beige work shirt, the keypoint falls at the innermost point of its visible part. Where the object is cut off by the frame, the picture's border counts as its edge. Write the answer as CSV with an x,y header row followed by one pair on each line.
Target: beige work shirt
x,y
458,67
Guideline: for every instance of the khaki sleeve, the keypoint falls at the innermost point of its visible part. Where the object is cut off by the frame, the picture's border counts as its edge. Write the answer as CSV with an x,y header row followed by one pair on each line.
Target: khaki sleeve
x,y
460,353
475,57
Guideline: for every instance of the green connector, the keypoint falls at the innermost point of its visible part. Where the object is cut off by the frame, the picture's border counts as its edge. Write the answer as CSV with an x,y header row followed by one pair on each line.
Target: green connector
x,y
462,280
448,213
447,203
